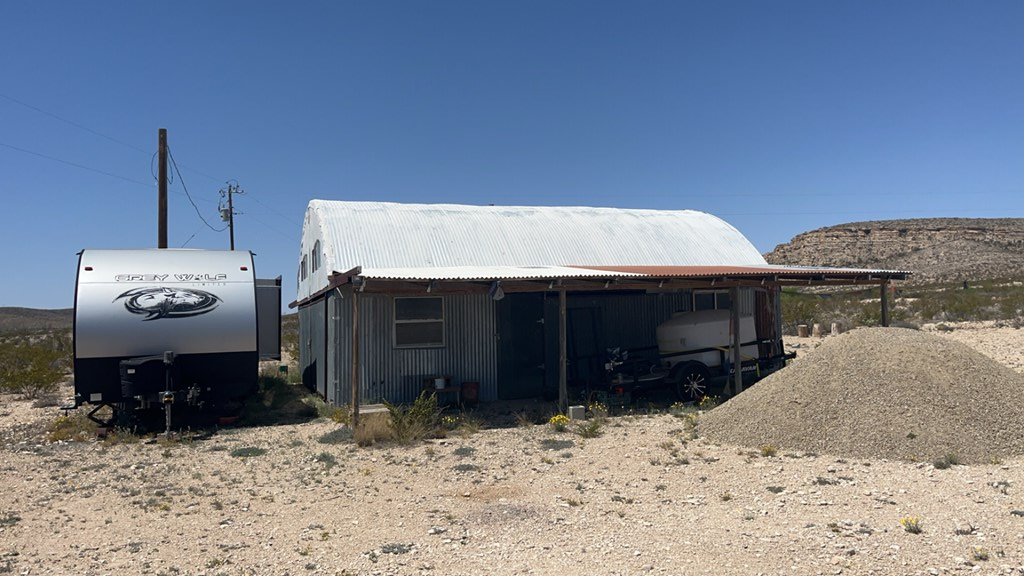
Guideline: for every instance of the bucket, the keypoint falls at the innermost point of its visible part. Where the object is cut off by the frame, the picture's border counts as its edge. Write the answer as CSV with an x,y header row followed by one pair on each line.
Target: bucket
x,y
439,383
470,392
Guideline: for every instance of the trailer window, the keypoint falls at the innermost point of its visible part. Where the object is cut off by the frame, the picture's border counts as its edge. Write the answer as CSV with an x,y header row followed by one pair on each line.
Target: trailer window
x,y
419,322
711,300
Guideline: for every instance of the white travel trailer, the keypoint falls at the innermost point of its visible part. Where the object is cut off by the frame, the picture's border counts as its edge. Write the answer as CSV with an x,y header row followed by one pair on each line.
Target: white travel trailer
x,y
160,326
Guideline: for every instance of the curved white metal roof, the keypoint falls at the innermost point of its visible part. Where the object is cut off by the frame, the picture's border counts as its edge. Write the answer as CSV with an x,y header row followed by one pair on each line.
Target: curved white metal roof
x,y
391,235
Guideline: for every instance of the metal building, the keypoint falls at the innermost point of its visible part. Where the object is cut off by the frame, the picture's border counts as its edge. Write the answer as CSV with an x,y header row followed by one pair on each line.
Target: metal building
x,y
516,300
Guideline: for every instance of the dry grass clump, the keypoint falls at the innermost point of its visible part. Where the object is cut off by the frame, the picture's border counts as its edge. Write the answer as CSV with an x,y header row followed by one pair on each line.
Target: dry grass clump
x,y
71,428
372,429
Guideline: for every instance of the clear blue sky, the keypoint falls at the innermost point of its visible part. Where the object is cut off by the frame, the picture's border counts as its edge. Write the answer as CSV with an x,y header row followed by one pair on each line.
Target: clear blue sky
x,y
779,117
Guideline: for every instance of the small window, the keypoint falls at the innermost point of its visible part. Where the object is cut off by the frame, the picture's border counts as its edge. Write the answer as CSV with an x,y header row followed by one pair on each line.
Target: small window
x,y
315,256
419,322
711,300
302,269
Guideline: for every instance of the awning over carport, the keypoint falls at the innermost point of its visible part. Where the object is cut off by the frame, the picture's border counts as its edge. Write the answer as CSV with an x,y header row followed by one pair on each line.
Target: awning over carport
x,y
497,280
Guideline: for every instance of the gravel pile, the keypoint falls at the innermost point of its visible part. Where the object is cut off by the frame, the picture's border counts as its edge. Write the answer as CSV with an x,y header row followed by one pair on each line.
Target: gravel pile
x,y
882,393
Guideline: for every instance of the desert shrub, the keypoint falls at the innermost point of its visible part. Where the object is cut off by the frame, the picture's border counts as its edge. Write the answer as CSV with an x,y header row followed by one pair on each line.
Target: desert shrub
x,y
416,422
277,402
75,427
463,451
797,309
953,305
708,402
248,452
122,436
9,519
559,422
524,419
912,524
332,412
589,428
470,423
33,366
556,444
327,459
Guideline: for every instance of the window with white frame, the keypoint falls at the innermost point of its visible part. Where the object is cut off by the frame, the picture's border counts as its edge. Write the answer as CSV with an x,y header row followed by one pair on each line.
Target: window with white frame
x,y
419,322
711,300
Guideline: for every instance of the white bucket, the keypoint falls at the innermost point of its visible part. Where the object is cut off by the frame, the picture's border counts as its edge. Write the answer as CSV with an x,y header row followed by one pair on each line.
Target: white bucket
x,y
439,383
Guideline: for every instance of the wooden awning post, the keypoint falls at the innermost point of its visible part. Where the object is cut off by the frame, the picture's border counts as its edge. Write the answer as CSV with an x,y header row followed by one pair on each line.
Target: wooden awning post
x,y
355,358
885,303
563,385
737,359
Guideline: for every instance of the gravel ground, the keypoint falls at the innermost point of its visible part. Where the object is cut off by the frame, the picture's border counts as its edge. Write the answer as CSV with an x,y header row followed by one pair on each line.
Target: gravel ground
x,y
643,498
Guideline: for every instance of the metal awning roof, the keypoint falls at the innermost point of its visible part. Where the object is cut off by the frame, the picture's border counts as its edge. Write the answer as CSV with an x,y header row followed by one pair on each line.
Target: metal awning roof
x,y
791,272
467,279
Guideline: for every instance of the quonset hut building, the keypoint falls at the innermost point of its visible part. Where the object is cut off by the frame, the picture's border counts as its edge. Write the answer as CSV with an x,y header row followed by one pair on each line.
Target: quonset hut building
x,y
516,300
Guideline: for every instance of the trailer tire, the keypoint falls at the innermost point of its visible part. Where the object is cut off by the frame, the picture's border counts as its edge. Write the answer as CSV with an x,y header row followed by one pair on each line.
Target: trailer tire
x,y
691,381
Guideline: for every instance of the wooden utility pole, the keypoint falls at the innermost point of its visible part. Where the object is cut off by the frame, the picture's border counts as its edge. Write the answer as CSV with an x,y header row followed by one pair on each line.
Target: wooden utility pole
x,y
161,241
231,216
228,214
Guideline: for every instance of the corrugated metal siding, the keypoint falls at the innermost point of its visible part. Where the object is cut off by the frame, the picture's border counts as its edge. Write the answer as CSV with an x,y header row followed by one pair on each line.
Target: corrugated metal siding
x,y
396,374
312,359
627,320
747,302
340,346
389,235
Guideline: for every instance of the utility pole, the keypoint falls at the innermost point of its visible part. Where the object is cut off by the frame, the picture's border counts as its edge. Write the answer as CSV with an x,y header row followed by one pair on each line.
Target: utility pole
x,y
161,241
228,214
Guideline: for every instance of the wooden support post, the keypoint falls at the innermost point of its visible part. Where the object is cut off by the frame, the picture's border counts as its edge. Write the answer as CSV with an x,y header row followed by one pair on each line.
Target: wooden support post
x,y
885,303
734,320
355,359
563,384
161,227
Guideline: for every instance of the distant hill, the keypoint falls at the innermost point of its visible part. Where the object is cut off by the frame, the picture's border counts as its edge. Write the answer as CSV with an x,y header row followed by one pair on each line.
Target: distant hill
x,y
32,320
936,250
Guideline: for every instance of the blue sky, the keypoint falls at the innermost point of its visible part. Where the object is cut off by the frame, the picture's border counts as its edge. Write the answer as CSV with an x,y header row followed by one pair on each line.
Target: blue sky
x,y
779,117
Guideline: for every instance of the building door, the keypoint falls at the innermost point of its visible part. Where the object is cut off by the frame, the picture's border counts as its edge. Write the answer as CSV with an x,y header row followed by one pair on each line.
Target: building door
x,y
521,365
585,343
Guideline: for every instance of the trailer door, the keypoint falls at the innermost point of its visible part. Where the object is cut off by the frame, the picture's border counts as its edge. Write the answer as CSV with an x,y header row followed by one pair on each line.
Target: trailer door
x,y
268,317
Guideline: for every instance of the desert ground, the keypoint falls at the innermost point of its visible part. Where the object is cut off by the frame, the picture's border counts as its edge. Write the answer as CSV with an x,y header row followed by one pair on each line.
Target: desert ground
x,y
644,497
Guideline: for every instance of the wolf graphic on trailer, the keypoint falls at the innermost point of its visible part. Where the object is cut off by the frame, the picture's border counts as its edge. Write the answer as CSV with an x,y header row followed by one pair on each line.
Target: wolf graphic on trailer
x,y
159,326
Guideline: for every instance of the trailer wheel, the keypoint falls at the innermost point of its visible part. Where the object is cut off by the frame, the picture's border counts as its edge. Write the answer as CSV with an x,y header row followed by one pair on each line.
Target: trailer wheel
x,y
691,381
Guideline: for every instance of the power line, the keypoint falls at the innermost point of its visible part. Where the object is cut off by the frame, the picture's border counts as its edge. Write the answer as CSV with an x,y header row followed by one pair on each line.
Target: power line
x,y
73,123
94,132
69,163
269,227
273,210
189,196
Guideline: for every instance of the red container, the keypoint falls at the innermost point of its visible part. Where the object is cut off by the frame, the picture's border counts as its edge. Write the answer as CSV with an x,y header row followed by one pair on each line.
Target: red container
x,y
470,393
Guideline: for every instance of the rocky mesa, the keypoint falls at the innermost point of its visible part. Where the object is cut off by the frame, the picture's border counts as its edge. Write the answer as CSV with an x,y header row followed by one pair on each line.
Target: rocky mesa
x,y
936,250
